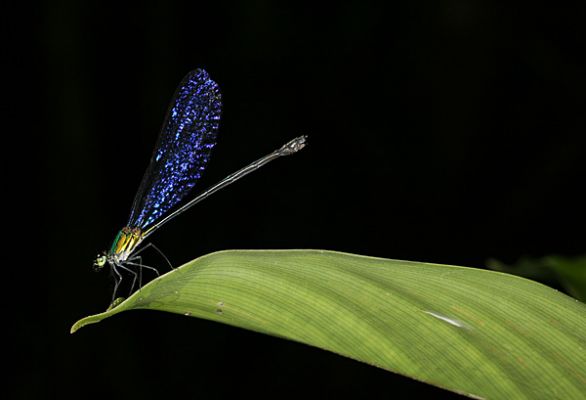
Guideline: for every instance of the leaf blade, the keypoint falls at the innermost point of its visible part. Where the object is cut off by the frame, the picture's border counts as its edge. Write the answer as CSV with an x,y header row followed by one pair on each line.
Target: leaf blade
x,y
475,332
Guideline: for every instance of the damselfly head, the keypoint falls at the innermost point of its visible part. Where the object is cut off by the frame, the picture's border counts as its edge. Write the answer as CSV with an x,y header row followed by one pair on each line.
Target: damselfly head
x,y
99,262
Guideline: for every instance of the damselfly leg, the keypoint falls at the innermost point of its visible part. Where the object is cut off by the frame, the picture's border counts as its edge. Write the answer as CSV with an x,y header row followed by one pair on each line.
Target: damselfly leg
x,y
148,245
134,276
117,280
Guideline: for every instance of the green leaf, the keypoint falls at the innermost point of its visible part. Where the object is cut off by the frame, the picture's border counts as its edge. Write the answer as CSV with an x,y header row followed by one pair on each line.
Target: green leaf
x,y
475,332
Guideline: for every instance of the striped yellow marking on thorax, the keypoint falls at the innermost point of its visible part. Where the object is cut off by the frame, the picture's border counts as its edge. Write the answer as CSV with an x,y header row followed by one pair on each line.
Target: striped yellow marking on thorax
x,y
125,242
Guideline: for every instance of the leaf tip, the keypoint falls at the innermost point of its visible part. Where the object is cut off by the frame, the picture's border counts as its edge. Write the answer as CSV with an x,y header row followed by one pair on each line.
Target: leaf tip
x,y
83,322
94,319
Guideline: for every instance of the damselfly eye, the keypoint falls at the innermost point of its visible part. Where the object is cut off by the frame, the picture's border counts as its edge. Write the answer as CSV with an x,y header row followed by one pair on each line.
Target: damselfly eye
x,y
99,262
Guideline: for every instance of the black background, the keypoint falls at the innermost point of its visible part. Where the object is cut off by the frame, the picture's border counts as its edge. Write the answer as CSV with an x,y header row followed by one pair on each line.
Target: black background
x,y
444,131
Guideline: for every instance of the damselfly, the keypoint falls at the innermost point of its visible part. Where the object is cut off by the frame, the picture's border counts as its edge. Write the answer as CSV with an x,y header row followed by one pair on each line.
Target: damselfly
x,y
178,161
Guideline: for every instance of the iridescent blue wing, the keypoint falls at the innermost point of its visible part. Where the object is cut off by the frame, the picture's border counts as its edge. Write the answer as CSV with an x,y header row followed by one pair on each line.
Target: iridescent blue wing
x,y
182,151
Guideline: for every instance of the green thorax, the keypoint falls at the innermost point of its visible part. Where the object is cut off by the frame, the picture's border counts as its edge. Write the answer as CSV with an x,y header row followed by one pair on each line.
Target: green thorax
x,y
125,242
